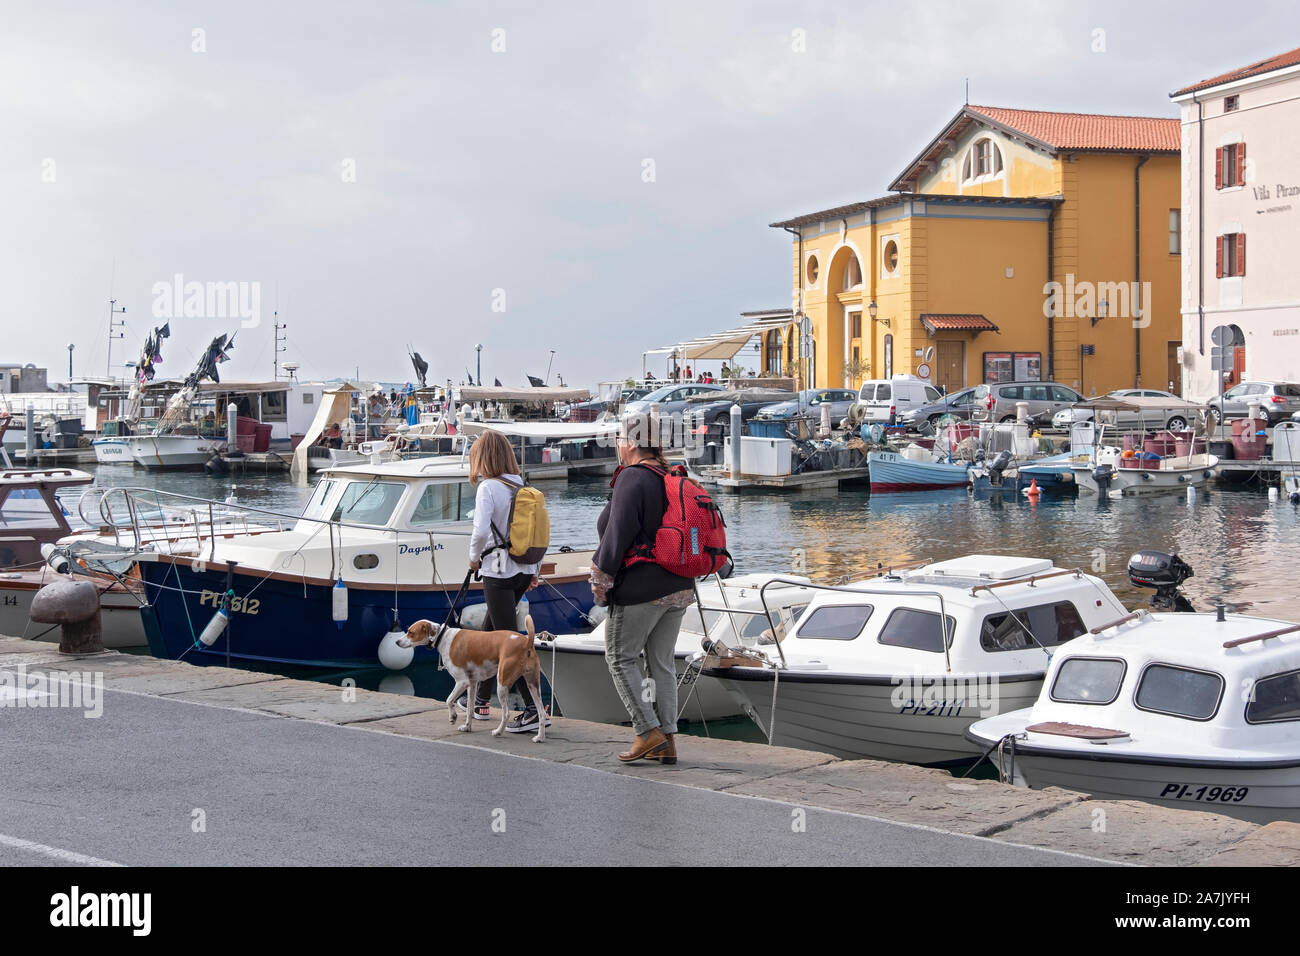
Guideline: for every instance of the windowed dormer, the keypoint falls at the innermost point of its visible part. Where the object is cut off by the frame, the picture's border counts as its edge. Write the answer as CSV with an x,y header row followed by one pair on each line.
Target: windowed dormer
x,y
983,161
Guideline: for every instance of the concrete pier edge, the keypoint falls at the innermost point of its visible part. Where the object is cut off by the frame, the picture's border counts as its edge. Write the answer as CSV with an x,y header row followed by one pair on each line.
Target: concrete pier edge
x,y
1065,821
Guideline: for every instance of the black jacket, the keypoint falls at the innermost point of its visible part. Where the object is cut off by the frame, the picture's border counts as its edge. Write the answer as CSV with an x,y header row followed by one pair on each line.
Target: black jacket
x,y
632,516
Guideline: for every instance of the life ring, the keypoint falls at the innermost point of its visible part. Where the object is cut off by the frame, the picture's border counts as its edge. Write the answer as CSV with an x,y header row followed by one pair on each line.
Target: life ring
x,y
877,432
857,413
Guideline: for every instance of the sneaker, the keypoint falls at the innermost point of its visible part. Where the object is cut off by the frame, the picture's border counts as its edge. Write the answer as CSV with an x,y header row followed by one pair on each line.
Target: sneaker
x,y
523,723
480,713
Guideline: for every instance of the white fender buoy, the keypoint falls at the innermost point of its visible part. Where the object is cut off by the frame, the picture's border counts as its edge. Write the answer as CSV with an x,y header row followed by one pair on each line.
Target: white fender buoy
x,y
392,655
597,615
1191,494
1272,493
474,617
521,615
339,594
216,627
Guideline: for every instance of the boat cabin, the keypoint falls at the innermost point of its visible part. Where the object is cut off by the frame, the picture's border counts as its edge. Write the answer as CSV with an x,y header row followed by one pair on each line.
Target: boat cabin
x,y
977,614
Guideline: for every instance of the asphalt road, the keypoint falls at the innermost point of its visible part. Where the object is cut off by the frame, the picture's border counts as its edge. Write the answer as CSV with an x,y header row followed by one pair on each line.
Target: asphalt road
x,y
133,786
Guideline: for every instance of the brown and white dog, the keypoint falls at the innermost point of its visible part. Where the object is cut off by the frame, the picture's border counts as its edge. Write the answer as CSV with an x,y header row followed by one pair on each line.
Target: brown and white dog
x,y
475,656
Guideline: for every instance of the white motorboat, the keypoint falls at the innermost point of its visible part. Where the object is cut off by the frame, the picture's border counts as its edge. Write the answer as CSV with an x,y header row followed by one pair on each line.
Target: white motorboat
x,y
1196,711
732,613
869,671
173,450
112,451
1115,473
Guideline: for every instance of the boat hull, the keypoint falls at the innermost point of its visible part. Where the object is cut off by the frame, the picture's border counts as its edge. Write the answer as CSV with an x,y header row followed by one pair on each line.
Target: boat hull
x,y
871,717
287,621
583,687
889,471
171,451
1258,794
110,451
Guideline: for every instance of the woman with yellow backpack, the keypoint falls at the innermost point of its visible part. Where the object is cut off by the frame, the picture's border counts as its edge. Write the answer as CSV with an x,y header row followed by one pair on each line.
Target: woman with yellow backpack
x,y
506,547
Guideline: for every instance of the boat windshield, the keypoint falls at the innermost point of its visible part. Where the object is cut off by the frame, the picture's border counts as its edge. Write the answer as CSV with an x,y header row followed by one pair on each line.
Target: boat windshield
x,y
368,502
442,502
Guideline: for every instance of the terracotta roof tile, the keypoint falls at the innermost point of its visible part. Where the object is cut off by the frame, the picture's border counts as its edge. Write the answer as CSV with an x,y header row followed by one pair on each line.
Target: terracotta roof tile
x,y
1290,58
957,322
1089,130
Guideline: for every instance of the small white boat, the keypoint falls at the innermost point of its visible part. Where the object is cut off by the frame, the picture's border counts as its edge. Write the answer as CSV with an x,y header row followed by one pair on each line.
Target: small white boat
x,y
1107,471
869,671
112,451
732,614
1197,711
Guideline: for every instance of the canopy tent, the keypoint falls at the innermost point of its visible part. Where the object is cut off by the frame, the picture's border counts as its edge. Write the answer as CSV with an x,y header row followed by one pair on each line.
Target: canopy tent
x,y
723,345
335,407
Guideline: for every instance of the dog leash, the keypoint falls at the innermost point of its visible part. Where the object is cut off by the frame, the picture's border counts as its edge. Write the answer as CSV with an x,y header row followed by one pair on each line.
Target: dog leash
x,y
442,629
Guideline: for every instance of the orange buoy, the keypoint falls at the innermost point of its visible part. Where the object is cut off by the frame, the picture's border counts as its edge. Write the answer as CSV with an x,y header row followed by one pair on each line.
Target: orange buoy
x,y
1033,491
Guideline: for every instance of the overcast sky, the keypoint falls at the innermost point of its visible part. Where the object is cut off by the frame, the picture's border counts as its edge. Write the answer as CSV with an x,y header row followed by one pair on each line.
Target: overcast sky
x,y
379,170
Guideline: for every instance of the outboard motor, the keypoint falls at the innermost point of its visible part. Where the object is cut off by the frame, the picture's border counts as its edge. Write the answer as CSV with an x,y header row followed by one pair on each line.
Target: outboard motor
x,y
1102,475
999,465
1164,573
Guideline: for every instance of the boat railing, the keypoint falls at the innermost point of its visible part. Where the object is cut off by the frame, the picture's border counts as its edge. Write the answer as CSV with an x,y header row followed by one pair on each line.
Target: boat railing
x,y
944,637
207,520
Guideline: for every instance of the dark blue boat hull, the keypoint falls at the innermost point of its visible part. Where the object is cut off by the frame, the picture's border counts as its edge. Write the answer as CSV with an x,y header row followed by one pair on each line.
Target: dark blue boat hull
x,y
286,622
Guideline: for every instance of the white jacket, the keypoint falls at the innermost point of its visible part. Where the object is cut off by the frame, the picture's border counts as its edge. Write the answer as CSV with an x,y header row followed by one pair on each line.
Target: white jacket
x,y
492,507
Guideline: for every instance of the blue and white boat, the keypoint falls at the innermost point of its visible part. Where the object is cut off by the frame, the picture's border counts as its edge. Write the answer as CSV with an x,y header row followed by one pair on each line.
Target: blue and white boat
x,y
892,471
377,543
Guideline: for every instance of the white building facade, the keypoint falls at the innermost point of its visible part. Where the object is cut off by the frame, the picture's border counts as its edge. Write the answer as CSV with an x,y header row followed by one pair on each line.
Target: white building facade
x,y
1240,228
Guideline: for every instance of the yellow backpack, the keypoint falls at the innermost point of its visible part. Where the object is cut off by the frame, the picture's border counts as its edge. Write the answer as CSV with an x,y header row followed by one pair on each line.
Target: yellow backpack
x,y
529,525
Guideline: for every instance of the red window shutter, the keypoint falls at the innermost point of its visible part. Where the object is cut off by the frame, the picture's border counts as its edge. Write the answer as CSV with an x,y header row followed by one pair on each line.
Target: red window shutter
x,y
1218,257
1241,254
1218,168
1241,164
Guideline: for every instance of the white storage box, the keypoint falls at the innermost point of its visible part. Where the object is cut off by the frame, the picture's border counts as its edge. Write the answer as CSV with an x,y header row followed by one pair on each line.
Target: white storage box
x,y
768,457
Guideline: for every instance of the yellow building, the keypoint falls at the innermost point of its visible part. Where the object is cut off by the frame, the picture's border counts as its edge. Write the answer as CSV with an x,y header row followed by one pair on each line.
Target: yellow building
x,y
1019,245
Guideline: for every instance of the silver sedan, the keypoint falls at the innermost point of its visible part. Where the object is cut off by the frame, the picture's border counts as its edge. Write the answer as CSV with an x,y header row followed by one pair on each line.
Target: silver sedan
x,y
1152,410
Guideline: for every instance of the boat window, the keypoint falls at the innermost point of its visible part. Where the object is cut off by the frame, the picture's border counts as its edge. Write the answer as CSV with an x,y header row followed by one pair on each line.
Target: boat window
x,y
691,622
445,501
836,623
315,507
364,562
1051,624
368,502
25,508
919,630
1275,698
1179,692
1088,680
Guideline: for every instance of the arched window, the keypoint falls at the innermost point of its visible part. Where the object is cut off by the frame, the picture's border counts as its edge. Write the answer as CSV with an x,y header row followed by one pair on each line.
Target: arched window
x,y
983,160
773,357
852,273
789,346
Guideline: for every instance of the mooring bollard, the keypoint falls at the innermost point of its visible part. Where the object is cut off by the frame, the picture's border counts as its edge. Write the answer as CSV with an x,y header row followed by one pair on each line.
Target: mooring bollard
x,y
75,605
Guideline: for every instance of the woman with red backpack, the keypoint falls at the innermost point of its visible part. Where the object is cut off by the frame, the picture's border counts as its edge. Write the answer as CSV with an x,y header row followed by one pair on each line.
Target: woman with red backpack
x,y
646,600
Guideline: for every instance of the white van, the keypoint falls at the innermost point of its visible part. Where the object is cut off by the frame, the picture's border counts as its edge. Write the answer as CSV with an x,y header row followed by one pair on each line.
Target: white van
x,y
887,400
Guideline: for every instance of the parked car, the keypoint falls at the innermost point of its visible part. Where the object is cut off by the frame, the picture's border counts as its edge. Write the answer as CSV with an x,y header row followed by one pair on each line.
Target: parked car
x,y
810,401
707,410
888,400
1280,400
967,404
1155,410
591,410
671,398
1044,399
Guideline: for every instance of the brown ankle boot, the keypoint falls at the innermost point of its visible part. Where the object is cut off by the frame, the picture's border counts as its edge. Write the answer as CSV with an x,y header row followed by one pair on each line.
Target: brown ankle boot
x,y
651,743
668,754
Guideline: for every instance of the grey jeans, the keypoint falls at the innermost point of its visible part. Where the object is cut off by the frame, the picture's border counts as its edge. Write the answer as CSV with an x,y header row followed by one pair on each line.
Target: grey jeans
x,y
631,629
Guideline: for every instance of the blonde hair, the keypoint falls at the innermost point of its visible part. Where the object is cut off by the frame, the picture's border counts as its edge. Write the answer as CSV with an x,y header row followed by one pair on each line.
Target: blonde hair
x,y
491,457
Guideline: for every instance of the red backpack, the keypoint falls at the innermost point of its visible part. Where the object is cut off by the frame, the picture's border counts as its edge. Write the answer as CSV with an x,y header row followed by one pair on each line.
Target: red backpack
x,y
692,540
